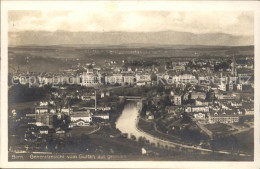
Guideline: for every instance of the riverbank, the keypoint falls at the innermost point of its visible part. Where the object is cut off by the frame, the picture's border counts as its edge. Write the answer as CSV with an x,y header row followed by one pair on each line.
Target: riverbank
x,y
129,125
149,127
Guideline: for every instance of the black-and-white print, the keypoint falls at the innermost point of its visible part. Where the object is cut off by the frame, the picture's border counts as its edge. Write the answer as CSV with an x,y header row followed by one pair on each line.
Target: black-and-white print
x,y
130,85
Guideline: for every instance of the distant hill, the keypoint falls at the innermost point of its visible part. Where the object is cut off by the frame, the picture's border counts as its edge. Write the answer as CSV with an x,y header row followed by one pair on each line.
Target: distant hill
x,y
165,39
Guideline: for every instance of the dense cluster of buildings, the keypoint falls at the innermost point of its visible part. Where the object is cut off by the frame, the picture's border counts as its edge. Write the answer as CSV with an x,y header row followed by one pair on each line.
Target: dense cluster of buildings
x,y
90,78
218,98
47,116
212,106
206,93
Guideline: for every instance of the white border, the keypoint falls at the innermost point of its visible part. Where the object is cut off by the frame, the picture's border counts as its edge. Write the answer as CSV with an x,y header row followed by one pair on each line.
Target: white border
x,y
126,5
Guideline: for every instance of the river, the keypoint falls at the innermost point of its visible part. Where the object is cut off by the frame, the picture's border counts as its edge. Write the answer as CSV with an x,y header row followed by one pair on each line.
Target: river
x,y
127,123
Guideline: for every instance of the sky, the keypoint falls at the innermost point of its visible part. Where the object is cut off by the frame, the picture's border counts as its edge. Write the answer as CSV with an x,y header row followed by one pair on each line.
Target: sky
x,y
198,22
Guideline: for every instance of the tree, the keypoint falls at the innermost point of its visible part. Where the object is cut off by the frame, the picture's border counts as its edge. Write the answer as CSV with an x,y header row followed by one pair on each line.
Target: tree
x,y
186,118
22,93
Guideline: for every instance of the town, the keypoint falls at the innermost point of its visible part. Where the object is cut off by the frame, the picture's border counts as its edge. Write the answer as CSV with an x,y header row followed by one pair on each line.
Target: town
x,y
189,104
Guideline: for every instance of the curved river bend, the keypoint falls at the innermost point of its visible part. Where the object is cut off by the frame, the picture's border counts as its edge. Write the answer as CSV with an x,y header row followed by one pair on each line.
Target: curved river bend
x,y
127,123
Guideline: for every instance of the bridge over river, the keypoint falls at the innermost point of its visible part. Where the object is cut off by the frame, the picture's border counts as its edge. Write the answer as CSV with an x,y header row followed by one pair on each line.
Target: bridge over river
x,y
135,98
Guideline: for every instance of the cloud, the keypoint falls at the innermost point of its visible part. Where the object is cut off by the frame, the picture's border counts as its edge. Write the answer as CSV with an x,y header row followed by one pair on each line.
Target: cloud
x,y
231,22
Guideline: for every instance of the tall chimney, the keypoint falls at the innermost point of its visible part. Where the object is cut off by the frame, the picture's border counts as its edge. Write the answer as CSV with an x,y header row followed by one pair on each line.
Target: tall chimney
x,y
95,100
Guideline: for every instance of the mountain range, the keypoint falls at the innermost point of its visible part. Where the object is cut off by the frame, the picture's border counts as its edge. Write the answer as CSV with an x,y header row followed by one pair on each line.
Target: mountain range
x,y
44,38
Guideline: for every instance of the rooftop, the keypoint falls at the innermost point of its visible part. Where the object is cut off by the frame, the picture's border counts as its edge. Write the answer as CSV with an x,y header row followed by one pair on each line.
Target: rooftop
x,y
81,114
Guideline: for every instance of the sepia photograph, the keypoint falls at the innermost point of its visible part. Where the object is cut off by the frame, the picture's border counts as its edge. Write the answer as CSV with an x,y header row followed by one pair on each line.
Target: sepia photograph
x,y
130,85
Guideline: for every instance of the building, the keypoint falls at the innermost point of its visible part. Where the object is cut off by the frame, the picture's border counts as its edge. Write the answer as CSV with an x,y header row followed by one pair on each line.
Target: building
x,y
230,87
14,113
236,104
149,115
44,103
104,93
222,86
41,109
104,116
199,116
87,97
129,79
90,79
239,87
249,111
178,67
143,79
191,109
66,110
43,130
80,118
90,96
223,118
198,95
177,99
43,117
226,96
114,79
201,102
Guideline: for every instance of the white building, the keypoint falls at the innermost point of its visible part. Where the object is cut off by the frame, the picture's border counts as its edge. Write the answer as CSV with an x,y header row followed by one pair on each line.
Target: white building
x,y
200,102
114,79
223,118
199,116
90,79
239,87
236,104
198,95
80,118
249,111
104,116
222,86
143,79
44,103
190,109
